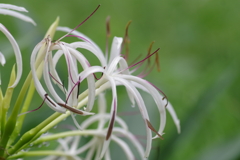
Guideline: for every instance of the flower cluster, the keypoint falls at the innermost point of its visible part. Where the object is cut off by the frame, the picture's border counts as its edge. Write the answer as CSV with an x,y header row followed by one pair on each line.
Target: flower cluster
x,y
66,100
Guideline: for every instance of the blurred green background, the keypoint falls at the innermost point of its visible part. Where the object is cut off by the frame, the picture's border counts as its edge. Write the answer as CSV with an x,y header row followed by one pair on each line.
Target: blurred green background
x,y
199,60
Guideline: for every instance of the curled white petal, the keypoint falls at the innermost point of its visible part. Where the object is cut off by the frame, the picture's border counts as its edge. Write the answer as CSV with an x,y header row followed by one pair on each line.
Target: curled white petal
x,y
90,78
142,109
174,117
17,15
51,103
169,107
113,115
13,7
155,94
99,54
16,51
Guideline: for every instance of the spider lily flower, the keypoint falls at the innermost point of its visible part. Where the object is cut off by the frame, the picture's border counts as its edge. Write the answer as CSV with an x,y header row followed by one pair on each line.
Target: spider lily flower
x,y
116,72
8,9
51,76
72,57
92,149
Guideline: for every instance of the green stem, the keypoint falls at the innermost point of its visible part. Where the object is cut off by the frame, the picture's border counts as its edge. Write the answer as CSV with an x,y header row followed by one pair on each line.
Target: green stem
x,y
11,123
93,132
5,128
47,124
41,153
1,108
21,118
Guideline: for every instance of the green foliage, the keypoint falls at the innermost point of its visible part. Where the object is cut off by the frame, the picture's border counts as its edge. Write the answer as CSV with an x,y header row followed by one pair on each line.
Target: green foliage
x,y
199,56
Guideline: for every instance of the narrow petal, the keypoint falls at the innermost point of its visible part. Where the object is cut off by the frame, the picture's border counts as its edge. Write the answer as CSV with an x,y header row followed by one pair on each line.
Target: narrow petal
x,y
131,138
156,96
75,122
142,109
47,80
174,117
90,78
13,7
90,153
92,49
169,107
97,117
113,115
17,15
116,48
2,59
53,105
99,51
87,146
124,147
17,54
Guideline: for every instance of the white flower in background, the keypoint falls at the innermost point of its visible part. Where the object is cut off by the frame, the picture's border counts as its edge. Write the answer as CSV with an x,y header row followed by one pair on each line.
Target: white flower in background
x,y
8,9
72,148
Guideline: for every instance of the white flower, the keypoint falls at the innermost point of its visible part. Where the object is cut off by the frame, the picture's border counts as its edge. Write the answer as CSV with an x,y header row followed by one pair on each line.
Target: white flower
x,y
48,67
8,9
70,145
116,72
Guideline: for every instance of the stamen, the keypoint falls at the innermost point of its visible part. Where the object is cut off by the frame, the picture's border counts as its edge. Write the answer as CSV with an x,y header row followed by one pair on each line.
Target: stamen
x,y
153,129
109,132
79,24
157,62
55,79
165,96
111,126
146,72
69,69
96,76
46,96
78,88
126,40
71,108
141,60
107,36
63,87
135,60
36,108
80,37
75,84
149,51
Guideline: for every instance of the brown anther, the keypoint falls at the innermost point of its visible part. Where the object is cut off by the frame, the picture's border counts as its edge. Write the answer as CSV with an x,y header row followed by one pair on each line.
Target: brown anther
x,y
71,108
78,87
157,62
153,129
46,96
149,51
109,132
108,35
126,40
108,26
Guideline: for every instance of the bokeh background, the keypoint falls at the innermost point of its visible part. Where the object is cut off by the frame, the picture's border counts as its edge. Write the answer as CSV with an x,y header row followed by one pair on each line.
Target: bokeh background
x,y
199,60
